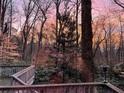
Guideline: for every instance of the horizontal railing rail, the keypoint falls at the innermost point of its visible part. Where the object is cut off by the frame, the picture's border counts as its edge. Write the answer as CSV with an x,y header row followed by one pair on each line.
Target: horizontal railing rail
x,y
121,74
4,66
24,77
95,87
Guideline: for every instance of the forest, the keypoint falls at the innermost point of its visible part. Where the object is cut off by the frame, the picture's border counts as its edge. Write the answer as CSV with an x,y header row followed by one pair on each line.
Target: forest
x,y
67,40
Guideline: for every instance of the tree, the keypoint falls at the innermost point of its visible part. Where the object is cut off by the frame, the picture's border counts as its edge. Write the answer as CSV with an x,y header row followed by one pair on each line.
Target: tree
x,y
11,15
67,31
77,13
30,19
57,5
98,34
65,20
44,6
121,40
9,50
87,36
6,17
109,44
5,9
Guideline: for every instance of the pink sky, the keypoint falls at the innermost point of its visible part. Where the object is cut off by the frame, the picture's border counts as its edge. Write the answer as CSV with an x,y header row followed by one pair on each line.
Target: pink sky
x,y
99,7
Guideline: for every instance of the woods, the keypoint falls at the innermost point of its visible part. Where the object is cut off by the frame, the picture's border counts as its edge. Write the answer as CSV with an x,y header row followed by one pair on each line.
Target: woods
x,y
69,35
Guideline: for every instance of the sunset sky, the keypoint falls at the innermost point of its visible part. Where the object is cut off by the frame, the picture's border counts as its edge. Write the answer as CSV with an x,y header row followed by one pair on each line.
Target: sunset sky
x,y
99,7
102,6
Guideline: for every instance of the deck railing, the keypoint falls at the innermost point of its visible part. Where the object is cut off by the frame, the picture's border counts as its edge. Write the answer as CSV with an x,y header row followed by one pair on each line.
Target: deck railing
x,y
63,88
7,70
24,77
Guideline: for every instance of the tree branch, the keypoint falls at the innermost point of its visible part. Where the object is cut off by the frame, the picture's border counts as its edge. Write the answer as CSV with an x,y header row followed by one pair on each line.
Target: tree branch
x,y
119,3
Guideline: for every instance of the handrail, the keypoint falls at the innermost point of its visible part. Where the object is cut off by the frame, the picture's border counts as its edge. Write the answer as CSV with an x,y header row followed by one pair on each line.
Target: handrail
x,y
121,74
24,85
52,85
114,88
58,86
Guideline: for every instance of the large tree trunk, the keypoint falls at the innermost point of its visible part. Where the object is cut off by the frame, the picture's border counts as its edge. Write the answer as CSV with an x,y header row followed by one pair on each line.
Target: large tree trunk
x,y
11,12
56,22
0,15
87,35
24,48
40,37
77,8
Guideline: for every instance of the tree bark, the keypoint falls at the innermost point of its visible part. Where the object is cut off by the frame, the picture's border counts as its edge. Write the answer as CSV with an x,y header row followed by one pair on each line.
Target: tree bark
x,y
24,48
11,12
86,39
40,40
77,8
0,15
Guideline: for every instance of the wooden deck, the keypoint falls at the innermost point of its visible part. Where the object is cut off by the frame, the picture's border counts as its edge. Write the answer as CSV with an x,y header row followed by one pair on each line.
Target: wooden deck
x,y
22,78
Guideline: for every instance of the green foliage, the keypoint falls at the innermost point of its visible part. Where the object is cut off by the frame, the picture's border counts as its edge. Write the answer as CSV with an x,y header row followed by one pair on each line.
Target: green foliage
x,y
72,75
42,75
111,77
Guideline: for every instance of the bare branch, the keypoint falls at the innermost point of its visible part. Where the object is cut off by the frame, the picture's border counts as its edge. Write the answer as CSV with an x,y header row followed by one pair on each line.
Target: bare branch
x,y
118,2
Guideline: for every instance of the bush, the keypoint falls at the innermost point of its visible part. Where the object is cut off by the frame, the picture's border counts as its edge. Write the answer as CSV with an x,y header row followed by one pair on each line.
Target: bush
x,y
42,75
64,74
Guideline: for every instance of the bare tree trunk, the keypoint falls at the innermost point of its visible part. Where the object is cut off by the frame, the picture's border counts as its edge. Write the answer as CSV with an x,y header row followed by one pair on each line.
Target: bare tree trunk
x,y
0,16
56,23
121,45
57,4
32,43
41,35
10,18
24,48
106,51
77,8
86,40
57,17
27,28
